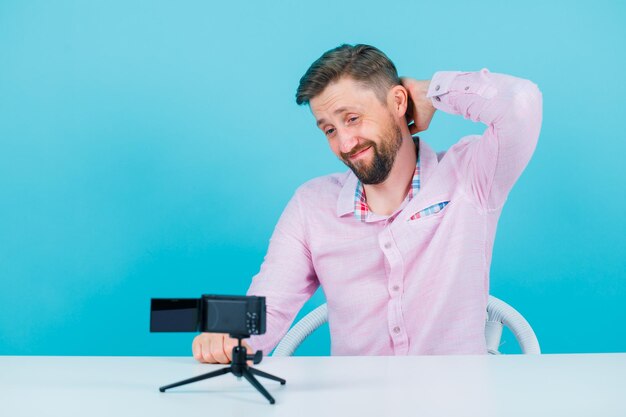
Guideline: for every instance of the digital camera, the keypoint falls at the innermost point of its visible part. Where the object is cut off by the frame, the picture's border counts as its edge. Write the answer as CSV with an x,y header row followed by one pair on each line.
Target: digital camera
x,y
236,315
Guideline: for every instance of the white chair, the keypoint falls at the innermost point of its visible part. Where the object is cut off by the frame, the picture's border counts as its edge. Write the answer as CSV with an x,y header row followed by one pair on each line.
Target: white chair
x,y
499,314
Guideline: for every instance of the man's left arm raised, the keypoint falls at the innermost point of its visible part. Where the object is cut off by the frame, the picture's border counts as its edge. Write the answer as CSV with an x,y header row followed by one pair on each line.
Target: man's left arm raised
x,y
511,108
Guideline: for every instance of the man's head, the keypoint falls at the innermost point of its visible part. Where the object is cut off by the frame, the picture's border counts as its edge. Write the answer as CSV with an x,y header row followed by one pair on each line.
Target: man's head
x,y
359,103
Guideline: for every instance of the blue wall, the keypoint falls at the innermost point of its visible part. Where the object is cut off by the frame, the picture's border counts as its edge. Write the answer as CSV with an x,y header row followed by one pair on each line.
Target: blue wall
x,y
147,149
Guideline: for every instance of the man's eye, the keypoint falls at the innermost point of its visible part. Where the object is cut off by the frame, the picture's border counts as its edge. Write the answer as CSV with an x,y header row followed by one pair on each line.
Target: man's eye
x,y
353,119
329,131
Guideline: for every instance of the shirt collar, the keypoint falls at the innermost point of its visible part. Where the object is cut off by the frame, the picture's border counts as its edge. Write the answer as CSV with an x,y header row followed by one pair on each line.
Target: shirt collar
x,y
351,198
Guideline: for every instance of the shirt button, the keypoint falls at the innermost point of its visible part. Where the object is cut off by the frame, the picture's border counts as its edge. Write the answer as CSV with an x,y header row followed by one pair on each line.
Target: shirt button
x,y
396,287
396,330
437,98
387,245
467,88
437,88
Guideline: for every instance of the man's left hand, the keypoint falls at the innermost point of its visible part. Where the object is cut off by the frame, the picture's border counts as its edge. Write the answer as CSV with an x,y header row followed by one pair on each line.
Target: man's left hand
x,y
421,110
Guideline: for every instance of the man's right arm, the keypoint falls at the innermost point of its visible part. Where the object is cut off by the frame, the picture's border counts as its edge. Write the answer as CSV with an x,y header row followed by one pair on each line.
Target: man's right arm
x,y
286,280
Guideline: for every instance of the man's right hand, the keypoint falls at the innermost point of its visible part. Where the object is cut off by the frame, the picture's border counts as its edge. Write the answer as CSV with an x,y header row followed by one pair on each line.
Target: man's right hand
x,y
215,347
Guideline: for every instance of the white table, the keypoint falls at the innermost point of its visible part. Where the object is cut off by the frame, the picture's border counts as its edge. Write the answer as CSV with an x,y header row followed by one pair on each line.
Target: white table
x,y
451,386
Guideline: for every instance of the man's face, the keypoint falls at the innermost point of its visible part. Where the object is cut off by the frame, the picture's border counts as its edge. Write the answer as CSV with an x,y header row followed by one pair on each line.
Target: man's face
x,y
360,129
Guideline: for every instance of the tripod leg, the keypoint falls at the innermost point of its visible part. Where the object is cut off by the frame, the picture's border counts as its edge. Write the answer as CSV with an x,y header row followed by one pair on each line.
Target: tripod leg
x,y
268,376
196,379
256,384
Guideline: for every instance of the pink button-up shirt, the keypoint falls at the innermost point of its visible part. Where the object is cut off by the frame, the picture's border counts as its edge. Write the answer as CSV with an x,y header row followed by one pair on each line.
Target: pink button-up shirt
x,y
406,284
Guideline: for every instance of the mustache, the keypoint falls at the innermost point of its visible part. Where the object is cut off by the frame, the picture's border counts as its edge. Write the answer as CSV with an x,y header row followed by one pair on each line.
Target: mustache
x,y
357,149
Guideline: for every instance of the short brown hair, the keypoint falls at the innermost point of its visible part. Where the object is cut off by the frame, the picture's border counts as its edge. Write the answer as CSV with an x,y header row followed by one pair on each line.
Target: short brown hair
x,y
363,63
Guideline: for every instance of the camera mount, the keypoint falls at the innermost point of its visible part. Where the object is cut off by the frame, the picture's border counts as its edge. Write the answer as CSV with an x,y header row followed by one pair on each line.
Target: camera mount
x,y
239,367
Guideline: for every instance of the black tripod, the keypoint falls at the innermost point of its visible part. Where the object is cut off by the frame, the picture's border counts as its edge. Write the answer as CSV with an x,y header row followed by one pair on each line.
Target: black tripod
x,y
239,367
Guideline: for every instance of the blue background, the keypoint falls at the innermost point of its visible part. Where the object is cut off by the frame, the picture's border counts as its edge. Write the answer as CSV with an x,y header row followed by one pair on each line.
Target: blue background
x,y
147,149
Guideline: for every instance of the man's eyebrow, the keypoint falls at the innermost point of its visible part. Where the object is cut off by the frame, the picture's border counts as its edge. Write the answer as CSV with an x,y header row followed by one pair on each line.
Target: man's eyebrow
x,y
337,111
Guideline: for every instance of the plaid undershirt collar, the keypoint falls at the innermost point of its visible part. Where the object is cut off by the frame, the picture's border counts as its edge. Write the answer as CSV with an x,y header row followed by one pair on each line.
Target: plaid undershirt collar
x,y
361,210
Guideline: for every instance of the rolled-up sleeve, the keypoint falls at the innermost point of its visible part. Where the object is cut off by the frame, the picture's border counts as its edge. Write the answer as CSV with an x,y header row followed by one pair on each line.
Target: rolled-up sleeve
x,y
512,110
287,278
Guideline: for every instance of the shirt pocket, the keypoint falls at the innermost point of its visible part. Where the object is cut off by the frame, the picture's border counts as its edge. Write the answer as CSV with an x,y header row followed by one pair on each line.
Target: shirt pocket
x,y
424,223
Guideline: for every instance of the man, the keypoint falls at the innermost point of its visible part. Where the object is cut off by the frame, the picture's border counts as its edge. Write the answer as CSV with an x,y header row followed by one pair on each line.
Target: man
x,y
401,244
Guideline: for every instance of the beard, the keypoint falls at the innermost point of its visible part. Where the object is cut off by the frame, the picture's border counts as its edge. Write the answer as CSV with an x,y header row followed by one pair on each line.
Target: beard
x,y
377,169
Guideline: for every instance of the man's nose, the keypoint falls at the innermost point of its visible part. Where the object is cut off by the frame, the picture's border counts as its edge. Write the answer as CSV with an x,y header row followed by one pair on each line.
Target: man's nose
x,y
347,140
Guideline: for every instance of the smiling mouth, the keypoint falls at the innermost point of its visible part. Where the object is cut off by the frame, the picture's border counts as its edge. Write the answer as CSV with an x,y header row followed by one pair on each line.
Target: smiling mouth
x,y
359,153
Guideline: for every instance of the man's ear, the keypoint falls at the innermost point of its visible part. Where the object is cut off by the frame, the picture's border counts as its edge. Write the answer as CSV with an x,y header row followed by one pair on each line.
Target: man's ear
x,y
399,100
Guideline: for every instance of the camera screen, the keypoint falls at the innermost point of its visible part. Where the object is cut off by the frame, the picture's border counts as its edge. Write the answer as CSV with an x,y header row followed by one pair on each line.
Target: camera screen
x,y
174,315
